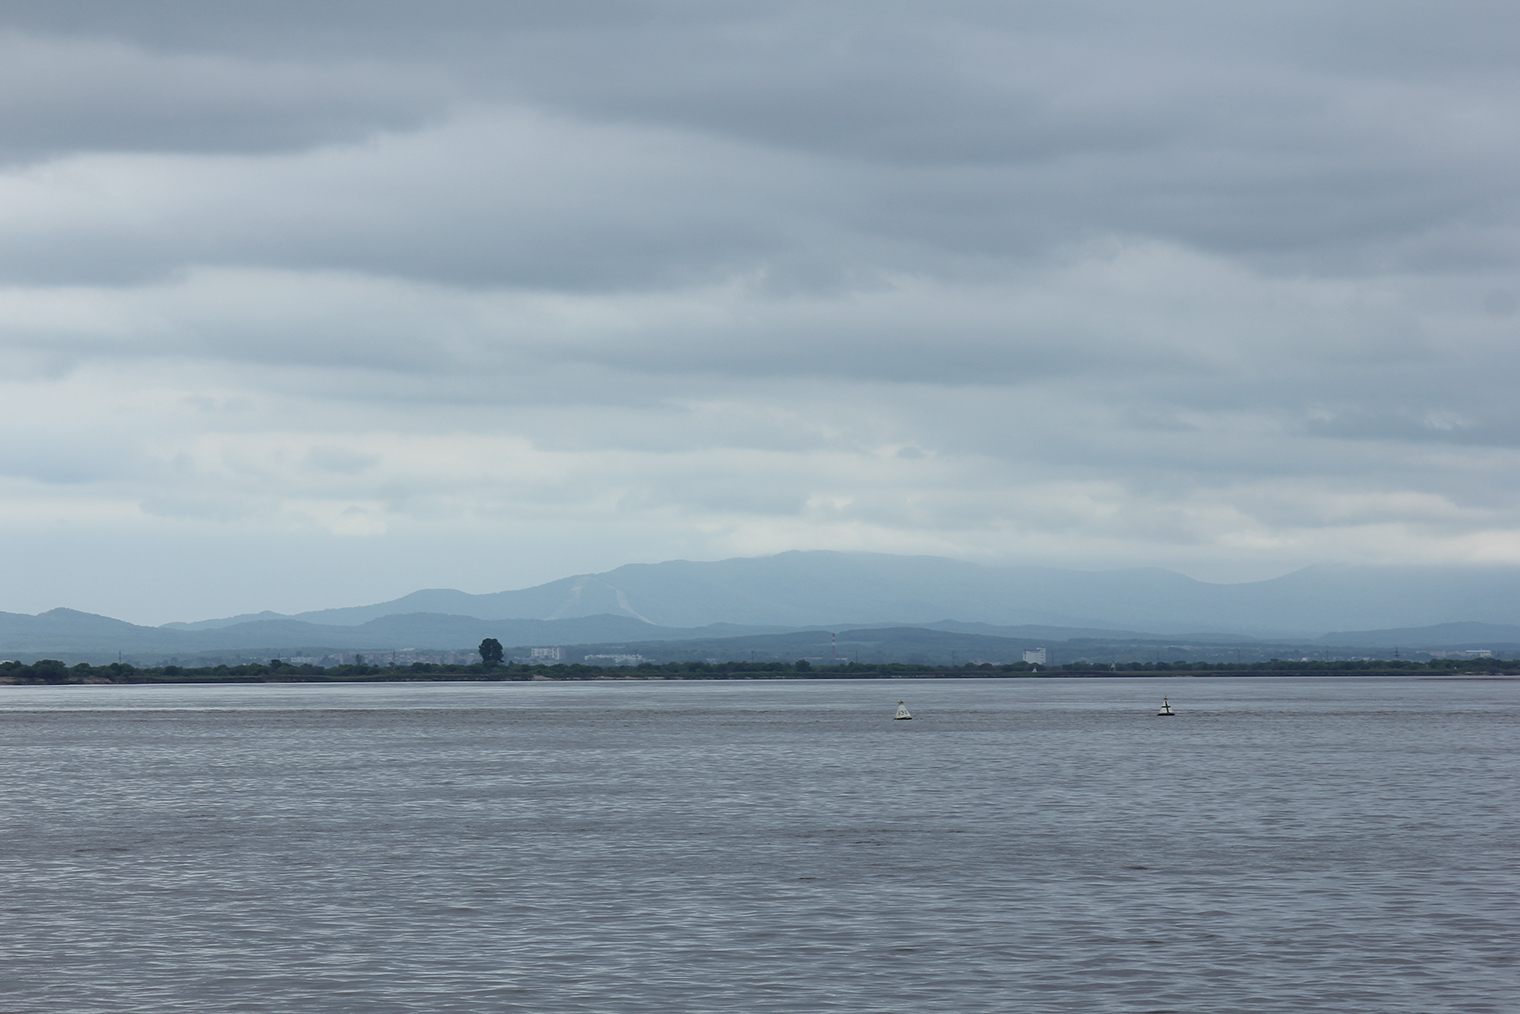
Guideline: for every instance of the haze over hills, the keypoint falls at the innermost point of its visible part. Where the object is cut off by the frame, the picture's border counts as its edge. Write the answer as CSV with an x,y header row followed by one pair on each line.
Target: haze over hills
x,y
1437,635
67,632
800,589
711,602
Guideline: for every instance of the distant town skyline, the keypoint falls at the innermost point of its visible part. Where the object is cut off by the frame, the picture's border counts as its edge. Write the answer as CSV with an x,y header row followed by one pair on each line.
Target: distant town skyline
x,y
313,305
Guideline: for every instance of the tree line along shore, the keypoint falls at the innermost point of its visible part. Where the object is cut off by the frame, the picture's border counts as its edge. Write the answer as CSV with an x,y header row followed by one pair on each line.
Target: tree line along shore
x,y
54,672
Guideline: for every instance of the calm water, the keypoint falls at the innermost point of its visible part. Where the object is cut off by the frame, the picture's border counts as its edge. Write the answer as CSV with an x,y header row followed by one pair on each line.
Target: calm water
x,y
1022,845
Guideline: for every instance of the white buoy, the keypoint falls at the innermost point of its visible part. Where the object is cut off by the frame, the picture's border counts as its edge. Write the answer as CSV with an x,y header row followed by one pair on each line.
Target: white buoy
x,y
902,712
1166,707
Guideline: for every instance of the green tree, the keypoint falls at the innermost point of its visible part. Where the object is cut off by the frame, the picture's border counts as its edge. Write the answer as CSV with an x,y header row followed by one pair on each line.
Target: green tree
x,y
49,670
490,652
803,665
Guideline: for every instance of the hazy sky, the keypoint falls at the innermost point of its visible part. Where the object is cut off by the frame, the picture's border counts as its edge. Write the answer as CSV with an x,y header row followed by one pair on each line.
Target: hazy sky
x,y
313,304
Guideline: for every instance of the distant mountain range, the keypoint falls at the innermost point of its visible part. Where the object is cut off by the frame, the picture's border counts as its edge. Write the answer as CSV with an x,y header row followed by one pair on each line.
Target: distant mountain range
x,y
1439,635
681,600
831,589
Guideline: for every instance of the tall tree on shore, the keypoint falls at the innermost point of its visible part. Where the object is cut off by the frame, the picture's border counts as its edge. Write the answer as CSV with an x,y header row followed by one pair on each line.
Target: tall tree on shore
x,y
490,651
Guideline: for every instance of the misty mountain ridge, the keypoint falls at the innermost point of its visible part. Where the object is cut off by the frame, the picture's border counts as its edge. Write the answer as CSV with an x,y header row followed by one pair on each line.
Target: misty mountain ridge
x,y
1439,635
1381,607
831,589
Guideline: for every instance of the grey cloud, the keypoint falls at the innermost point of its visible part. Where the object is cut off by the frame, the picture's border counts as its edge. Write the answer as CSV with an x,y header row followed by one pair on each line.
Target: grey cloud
x,y
1485,422
61,96
501,200
340,460
371,28
1499,303
57,456
909,140
1174,274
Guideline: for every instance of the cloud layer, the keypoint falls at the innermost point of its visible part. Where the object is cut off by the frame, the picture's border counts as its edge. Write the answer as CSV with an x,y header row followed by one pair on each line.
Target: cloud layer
x,y
348,299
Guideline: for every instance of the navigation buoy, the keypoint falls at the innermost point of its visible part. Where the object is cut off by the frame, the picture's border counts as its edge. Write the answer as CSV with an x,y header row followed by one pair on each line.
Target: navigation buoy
x,y
902,712
1166,707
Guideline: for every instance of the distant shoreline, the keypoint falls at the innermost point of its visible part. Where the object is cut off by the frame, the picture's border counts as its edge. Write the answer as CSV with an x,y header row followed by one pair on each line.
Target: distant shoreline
x,y
144,679
50,671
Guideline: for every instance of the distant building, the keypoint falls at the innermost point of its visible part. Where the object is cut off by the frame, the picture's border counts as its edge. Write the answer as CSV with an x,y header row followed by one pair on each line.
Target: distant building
x,y
1035,656
613,659
546,654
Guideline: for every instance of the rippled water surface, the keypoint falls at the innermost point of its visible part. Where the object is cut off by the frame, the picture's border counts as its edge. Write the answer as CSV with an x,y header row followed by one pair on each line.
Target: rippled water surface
x,y
1021,845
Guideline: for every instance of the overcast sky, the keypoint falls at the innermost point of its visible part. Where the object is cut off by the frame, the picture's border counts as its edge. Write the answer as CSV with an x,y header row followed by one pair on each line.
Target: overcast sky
x,y
315,304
